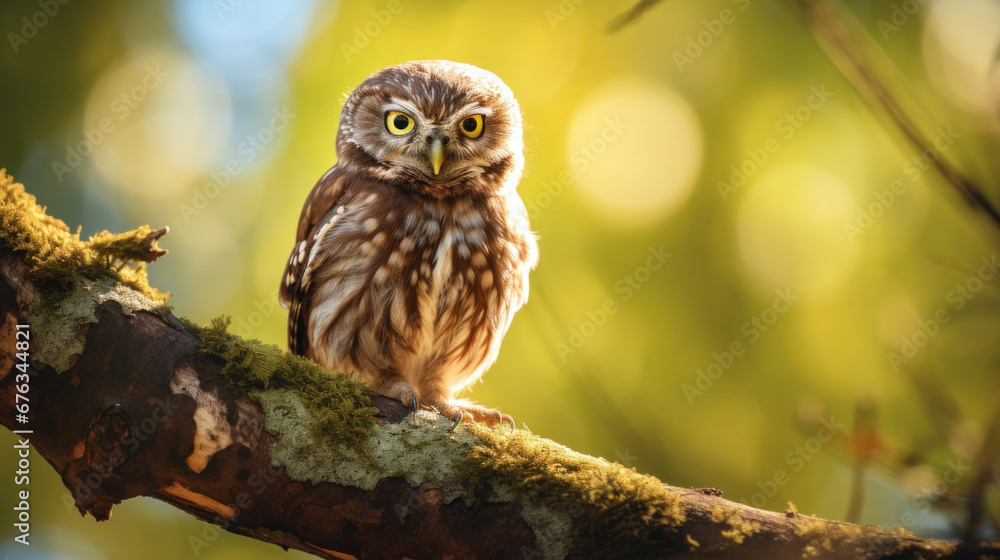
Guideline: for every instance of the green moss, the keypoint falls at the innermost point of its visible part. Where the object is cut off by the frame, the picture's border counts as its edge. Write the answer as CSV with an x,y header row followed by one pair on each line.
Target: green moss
x,y
737,529
827,537
71,277
338,409
602,499
823,537
60,261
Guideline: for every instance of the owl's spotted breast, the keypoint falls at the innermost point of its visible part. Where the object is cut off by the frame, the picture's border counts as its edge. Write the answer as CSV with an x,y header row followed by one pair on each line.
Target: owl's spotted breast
x,y
423,290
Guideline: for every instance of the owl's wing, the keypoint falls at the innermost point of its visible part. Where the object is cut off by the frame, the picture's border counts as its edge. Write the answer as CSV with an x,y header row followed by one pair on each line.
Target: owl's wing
x,y
294,291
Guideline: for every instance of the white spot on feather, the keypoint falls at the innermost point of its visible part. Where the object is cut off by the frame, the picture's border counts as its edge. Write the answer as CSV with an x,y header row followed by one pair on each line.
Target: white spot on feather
x,y
406,245
396,260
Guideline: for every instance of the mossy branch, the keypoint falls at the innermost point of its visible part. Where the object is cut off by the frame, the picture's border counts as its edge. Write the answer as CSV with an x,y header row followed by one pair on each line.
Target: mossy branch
x,y
58,259
276,448
117,250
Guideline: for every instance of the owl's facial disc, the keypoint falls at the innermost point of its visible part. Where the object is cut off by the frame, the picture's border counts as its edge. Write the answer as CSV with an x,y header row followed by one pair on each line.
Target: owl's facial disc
x,y
435,127
437,151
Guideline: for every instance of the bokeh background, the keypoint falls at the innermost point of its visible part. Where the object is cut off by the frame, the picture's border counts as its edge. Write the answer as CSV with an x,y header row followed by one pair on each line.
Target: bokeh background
x,y
699,179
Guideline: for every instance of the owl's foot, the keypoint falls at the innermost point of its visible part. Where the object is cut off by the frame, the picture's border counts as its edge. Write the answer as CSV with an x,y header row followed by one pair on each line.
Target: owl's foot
x,y
458,420
460,410
401,391
504,418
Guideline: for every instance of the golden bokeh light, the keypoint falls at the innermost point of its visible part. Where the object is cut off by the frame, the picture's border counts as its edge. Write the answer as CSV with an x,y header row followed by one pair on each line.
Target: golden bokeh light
x,y
790,229
636,150
157,121
960,43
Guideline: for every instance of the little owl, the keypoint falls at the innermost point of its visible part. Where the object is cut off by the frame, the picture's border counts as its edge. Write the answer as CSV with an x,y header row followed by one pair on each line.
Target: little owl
x,y
413,251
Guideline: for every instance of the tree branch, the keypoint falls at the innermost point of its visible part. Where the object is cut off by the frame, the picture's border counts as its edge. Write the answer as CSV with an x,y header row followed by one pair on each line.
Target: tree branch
x,y
273,447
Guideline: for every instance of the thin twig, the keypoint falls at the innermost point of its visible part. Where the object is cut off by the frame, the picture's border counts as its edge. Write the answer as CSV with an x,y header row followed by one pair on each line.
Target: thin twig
x,y
834,38
631,15
861,453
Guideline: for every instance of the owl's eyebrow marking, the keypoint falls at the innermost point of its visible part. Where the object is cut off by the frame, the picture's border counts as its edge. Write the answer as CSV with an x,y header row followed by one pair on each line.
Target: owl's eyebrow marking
x,y
473,108
406,106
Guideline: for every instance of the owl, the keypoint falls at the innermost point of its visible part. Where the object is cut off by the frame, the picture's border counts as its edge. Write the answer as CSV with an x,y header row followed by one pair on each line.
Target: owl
x,y
412,253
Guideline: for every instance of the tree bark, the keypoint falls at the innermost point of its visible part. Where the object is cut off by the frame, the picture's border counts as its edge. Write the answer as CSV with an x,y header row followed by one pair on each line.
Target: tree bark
x,y
142,412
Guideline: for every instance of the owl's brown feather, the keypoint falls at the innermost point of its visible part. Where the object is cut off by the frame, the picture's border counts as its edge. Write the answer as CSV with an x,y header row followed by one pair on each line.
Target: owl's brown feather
x,y
403,277
293,292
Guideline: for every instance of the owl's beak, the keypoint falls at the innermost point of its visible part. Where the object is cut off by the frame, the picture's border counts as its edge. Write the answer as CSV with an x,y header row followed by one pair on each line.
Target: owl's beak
x,y
437,155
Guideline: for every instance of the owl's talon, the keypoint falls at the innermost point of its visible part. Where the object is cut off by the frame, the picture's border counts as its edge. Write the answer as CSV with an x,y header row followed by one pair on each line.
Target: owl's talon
x,y
458,420
413,403
507,418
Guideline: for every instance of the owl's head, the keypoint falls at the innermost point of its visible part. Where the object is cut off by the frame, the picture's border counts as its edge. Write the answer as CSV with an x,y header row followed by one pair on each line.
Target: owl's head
x,y
439,127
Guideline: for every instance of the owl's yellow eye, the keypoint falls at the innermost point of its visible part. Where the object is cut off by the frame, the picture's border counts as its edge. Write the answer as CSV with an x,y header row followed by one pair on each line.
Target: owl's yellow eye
x,y
472,126
398,123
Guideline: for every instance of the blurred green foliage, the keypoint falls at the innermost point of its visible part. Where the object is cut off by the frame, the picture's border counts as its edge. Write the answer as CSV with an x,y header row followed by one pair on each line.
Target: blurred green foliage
x,y
732,243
